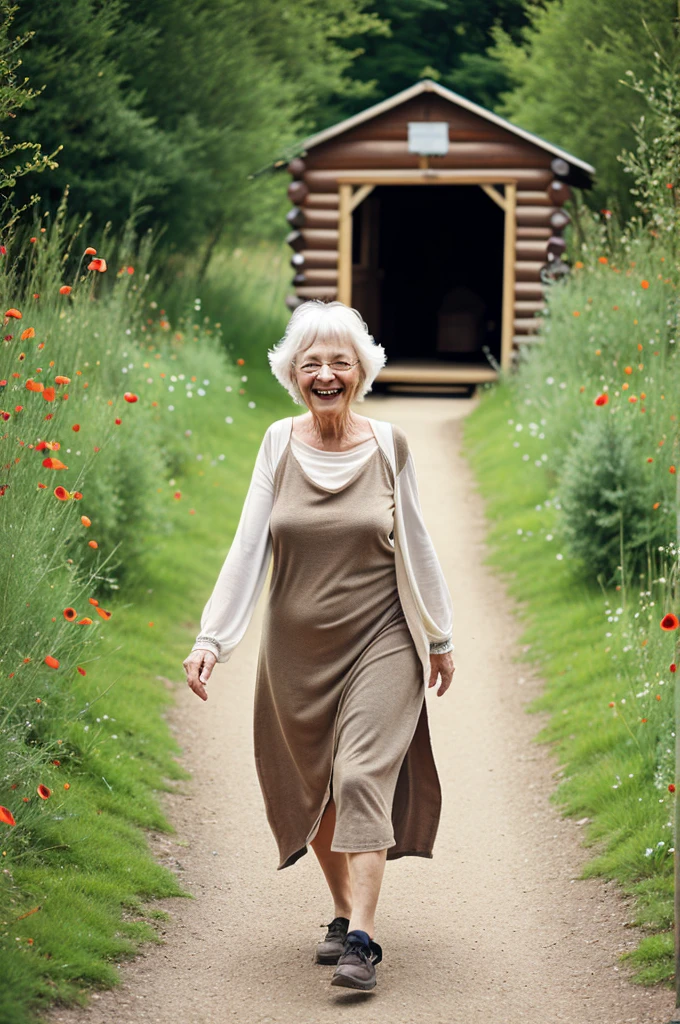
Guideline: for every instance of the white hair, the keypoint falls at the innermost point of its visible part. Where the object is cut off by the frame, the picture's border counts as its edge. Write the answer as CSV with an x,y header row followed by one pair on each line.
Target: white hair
x,y
316,320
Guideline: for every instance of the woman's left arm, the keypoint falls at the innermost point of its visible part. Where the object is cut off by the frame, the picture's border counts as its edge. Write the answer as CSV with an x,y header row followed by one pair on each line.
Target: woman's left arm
x,y
427,579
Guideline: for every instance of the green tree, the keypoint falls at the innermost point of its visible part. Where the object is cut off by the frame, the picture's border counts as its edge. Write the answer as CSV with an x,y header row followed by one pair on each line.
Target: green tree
x,y
14,94
442,39
566,72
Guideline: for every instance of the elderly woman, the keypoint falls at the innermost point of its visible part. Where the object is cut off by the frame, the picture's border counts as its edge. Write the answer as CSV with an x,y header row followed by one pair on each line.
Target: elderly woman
x,y
357,625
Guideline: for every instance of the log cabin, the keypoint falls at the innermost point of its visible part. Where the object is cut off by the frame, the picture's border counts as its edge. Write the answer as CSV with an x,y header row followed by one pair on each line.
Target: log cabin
x,y
437,220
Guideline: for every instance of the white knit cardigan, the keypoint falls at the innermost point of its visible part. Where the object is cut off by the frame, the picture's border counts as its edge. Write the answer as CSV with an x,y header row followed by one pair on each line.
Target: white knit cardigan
x,y
422,588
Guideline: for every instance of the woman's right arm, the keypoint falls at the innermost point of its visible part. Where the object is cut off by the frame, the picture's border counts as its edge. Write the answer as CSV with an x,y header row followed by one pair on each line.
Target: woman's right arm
x,y
231,605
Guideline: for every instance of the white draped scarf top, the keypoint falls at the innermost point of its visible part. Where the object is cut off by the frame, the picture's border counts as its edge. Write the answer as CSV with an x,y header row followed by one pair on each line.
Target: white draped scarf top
x,y
230,608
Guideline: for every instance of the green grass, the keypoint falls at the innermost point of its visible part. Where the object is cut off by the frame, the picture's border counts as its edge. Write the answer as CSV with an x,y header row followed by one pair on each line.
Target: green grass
x,y
607,732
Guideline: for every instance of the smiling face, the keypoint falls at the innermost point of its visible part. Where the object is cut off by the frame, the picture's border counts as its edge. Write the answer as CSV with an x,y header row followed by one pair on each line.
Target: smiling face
x,y
330,391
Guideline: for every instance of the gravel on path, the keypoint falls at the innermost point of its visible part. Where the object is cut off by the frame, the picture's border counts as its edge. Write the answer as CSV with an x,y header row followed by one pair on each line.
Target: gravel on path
x,y
495,928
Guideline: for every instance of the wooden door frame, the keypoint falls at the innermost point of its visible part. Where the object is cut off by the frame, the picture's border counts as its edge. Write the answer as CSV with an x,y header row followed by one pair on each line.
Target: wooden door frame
x,y
366,181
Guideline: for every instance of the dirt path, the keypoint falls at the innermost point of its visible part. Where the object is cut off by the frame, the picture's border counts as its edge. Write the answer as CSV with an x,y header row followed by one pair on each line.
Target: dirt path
x,y
493,929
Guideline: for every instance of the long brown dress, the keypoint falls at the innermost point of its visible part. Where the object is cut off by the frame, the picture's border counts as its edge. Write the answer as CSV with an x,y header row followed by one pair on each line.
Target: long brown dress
x,y
339,701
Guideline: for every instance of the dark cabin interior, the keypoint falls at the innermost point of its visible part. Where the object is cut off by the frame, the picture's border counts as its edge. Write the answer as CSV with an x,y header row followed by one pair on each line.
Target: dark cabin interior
x,y
428,271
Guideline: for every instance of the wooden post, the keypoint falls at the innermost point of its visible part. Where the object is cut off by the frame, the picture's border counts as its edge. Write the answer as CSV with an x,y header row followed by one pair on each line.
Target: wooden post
x,y
508,316
345,245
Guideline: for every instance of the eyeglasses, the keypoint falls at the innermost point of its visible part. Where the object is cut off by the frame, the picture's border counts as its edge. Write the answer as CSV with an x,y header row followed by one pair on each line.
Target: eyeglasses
x,y
337,367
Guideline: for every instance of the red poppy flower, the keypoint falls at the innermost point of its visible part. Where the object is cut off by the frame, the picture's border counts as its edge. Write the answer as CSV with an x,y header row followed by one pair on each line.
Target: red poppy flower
x,y
70,614
85,622
18,408
65,289
673,668
82,671
28,333
6,816
75,427
178,495
53,464
129,397
61,493
240,362
93,544
14,313
671,787
49,394
86,521
62,380
34,385
671,469
669,622
130,270
44,792
77,495
90,251
644,284
118,421
97,264
602,399
51,662
42,486
103,613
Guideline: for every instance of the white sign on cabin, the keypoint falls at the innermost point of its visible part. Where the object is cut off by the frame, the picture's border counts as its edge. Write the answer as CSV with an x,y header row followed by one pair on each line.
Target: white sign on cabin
x,y
429,138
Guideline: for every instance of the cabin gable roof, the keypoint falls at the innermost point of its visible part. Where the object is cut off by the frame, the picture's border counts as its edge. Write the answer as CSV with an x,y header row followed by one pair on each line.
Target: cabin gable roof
x,y
429,86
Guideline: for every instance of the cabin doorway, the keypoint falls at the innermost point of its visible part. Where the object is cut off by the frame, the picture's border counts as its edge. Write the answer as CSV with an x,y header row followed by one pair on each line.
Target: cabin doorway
x,y
427,272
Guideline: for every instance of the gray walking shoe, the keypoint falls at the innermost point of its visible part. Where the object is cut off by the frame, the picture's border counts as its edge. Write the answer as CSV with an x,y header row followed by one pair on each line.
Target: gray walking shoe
x,y
330,949
356,966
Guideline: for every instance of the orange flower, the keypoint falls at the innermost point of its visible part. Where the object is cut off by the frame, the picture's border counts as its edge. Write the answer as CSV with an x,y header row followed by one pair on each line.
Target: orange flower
x,y
578,265
97,264
34,385
93,600
669,622
130,270
61,493
67,785
671,469
240,362
14,313
602,399
90,251
93,543
77,495
602,259
28,333
6,816
628,369
70,614
644,284
65,289
62,380
53,464
48,394
51,662
85,521
576,313
82,671
85,622
633,398
656,504
178,495
103,613
42,486
129,397
44,792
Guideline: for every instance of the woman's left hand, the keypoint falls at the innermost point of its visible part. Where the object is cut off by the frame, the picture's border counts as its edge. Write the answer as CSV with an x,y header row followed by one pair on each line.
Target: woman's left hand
x,y
441,665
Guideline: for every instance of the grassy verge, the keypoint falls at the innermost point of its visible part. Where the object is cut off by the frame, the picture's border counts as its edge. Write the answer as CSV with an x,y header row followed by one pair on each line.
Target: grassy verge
x,y
606,667
149,430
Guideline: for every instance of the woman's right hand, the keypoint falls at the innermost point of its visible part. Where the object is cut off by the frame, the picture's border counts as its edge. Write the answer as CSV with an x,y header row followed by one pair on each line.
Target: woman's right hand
x,y
198,667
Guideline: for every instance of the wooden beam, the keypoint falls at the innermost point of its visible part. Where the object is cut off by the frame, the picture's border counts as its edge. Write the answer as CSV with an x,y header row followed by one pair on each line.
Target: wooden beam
x,y
359,196
494,194
430,176
345,245
508,307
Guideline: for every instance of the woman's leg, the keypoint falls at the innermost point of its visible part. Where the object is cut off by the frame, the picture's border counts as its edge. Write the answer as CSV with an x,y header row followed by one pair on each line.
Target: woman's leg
x,y
334,865
366,875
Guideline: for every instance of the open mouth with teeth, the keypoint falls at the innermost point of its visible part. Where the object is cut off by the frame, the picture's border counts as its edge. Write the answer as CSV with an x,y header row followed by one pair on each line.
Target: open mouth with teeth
x,y
327,393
